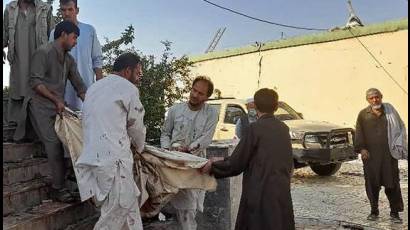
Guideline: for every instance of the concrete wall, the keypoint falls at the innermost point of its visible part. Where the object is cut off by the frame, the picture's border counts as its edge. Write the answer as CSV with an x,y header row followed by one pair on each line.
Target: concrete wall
x,y
221,206
323,80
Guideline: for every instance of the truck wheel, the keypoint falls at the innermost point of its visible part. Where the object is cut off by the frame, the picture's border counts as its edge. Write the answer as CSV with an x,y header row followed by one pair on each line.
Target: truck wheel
x,y
326,170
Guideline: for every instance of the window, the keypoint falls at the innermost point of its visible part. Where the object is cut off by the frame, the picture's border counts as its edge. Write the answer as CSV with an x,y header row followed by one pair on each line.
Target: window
x,y
284,113
217,107
233,113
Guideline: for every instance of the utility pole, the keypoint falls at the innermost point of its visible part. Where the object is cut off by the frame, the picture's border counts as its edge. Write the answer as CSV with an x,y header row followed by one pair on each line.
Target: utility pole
x,y
215,40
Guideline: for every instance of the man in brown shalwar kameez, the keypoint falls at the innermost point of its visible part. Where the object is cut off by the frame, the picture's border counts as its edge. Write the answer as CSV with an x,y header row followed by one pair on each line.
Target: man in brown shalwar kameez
x,y
51,67
26,26
380,167
264,156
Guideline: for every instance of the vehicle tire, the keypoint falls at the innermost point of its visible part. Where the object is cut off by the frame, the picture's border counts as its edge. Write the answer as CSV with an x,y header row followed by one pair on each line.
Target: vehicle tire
x,y
326,170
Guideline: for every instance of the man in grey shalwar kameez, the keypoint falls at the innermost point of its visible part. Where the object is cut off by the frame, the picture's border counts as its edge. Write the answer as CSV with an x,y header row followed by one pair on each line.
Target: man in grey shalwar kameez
x,y
51,67
189,127
26,26
381,140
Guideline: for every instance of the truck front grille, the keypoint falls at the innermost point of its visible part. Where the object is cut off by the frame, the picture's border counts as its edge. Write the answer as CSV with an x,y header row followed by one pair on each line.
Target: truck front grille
x,y
319,140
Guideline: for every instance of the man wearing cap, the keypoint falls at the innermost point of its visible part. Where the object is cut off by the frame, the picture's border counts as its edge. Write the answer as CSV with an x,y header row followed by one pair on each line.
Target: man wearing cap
x,y
26,26
381,140
51,66
242,125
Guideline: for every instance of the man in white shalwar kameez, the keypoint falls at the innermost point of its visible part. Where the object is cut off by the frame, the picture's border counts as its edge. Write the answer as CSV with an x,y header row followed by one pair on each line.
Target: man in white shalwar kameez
x,y
189,127
112,121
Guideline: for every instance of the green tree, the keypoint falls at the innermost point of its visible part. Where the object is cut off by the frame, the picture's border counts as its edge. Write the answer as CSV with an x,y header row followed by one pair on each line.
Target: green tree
x,y
165,81
58,17
6,92
112,49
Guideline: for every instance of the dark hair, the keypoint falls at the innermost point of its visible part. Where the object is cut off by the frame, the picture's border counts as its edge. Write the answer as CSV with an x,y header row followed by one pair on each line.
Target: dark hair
x,y
65,2
208,81
67,27
266,100
126,60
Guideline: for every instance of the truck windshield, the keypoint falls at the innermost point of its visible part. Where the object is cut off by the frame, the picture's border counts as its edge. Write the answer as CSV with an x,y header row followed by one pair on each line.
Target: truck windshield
x,y
285,112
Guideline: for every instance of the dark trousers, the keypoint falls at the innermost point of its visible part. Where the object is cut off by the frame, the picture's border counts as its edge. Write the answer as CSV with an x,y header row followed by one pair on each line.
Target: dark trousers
x,y
393,195
43,119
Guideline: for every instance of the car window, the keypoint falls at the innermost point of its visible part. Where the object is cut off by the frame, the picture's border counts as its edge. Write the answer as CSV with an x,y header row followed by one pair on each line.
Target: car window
x,y
217,107
283,114
233,113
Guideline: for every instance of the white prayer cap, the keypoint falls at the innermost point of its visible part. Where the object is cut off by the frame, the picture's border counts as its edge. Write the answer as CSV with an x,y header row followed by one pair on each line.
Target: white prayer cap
x,y
249,100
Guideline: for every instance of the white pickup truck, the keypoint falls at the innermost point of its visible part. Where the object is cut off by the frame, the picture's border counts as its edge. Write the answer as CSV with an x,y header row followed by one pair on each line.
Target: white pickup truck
x,y
321,145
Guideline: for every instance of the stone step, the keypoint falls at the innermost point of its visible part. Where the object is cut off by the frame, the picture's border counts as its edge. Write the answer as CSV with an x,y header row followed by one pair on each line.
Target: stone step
x,y
8,132
25,171
13,152
51,215
164,225
85,224
21,196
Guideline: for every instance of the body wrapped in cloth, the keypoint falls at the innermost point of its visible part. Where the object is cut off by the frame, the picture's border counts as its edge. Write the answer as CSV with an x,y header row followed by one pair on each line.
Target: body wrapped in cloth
x,y
158,173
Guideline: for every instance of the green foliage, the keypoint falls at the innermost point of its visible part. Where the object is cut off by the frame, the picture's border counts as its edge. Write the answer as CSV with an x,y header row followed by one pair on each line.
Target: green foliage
x,y
165,81
6,92
112,49
58,17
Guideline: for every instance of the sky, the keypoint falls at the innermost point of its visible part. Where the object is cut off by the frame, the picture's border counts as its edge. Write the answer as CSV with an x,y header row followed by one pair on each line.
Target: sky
x,y
191,24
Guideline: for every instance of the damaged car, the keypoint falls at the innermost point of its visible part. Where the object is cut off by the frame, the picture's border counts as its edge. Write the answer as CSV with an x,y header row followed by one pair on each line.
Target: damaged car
x,y
321,145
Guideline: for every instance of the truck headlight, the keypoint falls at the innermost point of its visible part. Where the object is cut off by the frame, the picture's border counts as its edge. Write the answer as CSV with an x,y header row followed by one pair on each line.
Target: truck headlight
x,y
311,139
312,142
295,135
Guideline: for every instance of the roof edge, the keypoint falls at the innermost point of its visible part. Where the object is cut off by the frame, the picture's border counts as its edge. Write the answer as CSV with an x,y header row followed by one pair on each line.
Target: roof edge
x,y
385,27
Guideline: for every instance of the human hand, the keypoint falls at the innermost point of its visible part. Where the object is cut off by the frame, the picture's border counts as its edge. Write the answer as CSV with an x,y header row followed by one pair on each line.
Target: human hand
x,y
365,154
206,168
60,107
215,159
82,96
194,148
182,149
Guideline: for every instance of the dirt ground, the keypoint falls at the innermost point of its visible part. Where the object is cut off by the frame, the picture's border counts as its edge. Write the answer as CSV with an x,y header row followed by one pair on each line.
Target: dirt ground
x,y
341,199
335,202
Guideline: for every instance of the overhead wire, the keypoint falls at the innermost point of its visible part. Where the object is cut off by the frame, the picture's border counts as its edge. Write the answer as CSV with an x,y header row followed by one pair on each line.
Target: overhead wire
x,y
265,21
315,29
378,62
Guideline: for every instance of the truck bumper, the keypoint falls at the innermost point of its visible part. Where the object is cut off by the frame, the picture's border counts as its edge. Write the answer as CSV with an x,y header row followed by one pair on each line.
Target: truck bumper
x,y
324,156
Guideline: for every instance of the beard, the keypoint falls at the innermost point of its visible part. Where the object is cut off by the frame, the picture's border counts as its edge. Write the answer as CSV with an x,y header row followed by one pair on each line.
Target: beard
x,y
193,103
137,80
376,106
68,48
